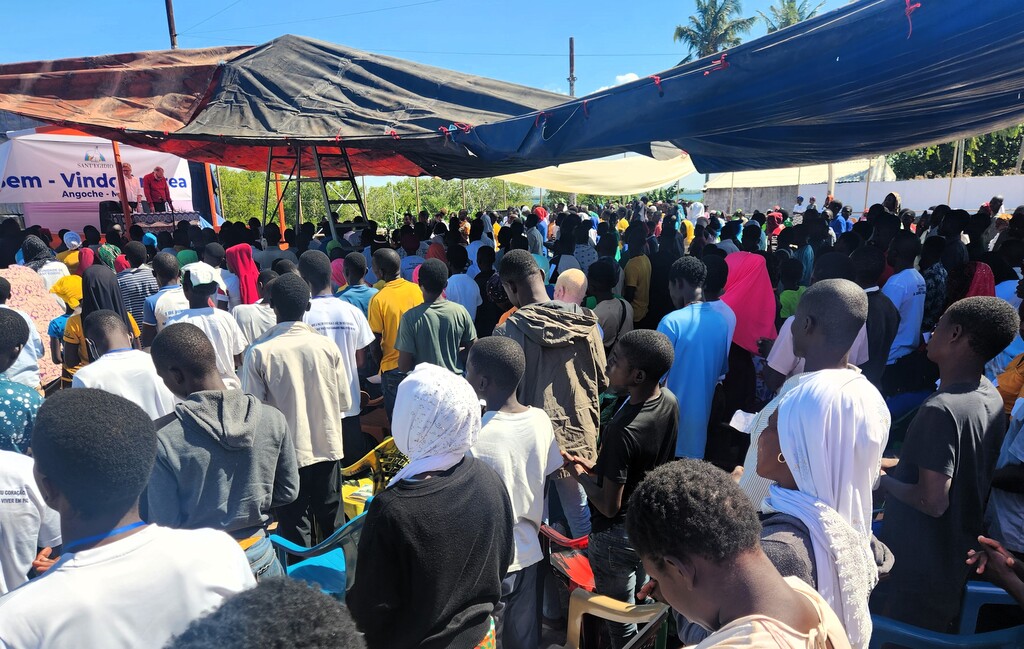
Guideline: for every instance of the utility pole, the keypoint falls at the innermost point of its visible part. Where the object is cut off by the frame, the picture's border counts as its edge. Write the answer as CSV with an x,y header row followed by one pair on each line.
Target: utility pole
x,y
170,24
572,86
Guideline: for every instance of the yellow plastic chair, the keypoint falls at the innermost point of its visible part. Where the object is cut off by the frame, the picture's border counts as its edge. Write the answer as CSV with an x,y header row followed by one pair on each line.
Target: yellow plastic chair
x,y
383,463
654,617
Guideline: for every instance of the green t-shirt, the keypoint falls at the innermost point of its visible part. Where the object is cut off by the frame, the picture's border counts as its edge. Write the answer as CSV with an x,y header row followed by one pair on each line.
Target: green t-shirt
x,y
434,332
789,301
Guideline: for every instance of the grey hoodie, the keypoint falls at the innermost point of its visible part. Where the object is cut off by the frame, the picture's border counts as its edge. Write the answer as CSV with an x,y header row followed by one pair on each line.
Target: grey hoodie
x,y
223,461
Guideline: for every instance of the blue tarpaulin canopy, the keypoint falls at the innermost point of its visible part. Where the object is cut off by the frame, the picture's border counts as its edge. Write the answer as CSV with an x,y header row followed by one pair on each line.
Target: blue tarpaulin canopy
x,y
873,77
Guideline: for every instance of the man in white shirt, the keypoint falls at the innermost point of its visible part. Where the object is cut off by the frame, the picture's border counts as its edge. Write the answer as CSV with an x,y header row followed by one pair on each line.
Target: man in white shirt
x,y
346,325
518,442
799,207
200,282
119,582
28,524
231,295
302,374
462,289
907,290
168,301
256,319
119,369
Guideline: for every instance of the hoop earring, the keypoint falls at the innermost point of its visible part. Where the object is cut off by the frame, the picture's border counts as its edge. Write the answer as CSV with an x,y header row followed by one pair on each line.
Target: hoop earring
x,y
782,460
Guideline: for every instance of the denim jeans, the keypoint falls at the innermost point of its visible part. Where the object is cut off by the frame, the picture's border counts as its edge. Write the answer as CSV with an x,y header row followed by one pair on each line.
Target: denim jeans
x,y
618,573
573,501
516,617
389,387
263,560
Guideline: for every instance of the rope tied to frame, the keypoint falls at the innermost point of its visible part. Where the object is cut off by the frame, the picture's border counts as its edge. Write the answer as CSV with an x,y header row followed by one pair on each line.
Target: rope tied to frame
x,y
719,64
910,21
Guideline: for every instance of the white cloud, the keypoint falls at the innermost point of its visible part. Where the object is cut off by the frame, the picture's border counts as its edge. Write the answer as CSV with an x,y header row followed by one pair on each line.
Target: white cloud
x,y
620,79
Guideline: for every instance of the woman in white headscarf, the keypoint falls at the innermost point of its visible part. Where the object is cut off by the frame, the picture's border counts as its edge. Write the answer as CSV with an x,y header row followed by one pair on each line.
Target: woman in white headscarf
x,y
438,541
823,448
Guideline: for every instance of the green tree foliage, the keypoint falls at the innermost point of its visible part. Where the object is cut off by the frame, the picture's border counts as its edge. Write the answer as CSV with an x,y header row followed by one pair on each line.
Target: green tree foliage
x,y
242,196
787,13
715,27
992,154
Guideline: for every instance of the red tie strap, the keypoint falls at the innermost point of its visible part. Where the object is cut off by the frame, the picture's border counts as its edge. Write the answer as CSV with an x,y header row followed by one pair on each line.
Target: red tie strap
x,y
910,22
720,64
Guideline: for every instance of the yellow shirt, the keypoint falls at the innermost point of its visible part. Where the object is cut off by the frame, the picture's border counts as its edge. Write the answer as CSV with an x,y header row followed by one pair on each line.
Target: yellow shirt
x,y
638,275
1011,383
385,313
622,225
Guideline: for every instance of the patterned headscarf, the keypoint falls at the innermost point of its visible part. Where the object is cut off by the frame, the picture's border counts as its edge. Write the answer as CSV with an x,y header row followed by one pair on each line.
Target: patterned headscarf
x,y
437,419
36,253
107,254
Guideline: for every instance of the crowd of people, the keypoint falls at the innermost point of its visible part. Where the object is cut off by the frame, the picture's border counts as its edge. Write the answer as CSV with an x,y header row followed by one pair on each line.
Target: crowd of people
x,y
778,425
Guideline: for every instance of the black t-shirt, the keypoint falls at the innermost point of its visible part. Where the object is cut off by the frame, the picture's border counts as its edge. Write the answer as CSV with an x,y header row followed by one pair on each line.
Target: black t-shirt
x,y
883,321
957,432
637,439
431,559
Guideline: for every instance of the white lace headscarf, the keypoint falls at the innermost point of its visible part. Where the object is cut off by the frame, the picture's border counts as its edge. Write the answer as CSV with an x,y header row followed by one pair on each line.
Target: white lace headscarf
x,y
436,420
832,430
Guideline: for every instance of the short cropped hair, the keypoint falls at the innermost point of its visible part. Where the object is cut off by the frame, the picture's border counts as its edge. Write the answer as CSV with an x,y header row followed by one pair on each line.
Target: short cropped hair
x,y
691,508
289,294
718,272
165,266
647,350
96,447
185,345
518,266
315,268
500,359
839,307
13,330
278,612
267,276
906,245
135,253
458,257
832,265
868,264
355,263
387,261
990,323
433,275
688,268
5,290
102,321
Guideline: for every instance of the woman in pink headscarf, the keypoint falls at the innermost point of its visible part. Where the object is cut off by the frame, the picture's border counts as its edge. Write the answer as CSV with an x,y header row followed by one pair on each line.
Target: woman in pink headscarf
x,y
338,274
240,263
748,292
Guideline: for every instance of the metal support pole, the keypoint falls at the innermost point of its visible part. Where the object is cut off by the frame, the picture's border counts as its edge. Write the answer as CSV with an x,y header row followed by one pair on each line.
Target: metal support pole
x,y
463,181
121,186
416,183
952,171
169,5
210,195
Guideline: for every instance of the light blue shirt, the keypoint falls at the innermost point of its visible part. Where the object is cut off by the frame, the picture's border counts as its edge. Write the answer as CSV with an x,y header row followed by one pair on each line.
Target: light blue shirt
x,y
25,370
907,291
700,336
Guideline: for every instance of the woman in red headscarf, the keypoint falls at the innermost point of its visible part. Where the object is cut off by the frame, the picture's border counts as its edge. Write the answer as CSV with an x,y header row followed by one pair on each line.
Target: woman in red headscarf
x,y
240,263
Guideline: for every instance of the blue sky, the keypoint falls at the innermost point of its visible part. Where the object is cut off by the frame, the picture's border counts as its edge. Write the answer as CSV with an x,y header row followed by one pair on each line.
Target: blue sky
x,y
523,42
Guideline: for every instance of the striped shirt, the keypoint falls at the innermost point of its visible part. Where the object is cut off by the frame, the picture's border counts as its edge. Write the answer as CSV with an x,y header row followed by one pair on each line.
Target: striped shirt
x,y
136,285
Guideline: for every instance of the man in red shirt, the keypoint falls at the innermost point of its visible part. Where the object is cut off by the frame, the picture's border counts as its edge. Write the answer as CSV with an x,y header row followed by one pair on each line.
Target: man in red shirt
x,y
158,194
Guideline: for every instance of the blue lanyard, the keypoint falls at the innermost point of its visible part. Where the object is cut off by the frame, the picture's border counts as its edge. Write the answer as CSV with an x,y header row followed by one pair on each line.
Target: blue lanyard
x,y
122,349
99,537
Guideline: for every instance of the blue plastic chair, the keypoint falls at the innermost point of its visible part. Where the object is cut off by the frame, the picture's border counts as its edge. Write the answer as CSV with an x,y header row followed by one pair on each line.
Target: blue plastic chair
x,y
331,564
976,595
892,633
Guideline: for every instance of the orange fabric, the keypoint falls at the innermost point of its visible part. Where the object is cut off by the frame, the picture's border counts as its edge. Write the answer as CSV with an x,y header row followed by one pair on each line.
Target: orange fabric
x,y
505,316
1011,383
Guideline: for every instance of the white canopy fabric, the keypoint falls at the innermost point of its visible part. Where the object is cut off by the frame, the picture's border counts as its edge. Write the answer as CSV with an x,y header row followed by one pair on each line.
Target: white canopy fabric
x,y
607,177
849,171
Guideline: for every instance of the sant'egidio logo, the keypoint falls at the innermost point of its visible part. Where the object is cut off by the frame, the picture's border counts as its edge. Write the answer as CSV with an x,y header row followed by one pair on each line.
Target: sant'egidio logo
x,y
94,155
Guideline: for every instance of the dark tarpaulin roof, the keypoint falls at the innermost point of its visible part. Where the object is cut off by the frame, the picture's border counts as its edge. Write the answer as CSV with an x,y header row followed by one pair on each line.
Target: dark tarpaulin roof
x,y
860,81
227,105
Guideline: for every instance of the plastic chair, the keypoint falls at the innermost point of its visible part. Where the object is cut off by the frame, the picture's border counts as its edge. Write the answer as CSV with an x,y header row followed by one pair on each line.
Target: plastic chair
x,y
976,595
583,603
330,565
890,633
568,559
383,463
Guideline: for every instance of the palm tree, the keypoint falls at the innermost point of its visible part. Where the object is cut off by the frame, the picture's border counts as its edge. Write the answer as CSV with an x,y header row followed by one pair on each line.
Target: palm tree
x,y
713,28
789,12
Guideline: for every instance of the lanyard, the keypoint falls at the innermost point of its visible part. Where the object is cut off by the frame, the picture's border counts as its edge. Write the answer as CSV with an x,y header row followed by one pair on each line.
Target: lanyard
x,y
99,537
122,349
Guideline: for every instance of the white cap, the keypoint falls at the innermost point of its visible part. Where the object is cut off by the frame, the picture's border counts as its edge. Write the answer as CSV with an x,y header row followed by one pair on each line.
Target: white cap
x,y
200,273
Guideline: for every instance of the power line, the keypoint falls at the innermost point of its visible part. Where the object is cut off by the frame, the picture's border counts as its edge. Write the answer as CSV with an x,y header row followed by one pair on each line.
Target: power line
x,y
206,20
320,18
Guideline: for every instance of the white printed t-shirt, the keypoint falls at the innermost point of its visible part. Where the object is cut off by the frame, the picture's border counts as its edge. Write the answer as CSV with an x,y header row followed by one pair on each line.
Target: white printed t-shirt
x,y
462,289
139,591
254,319
233,296
521,448
907,291
225,335
128,373
169,301
785,362
26,523
346,325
